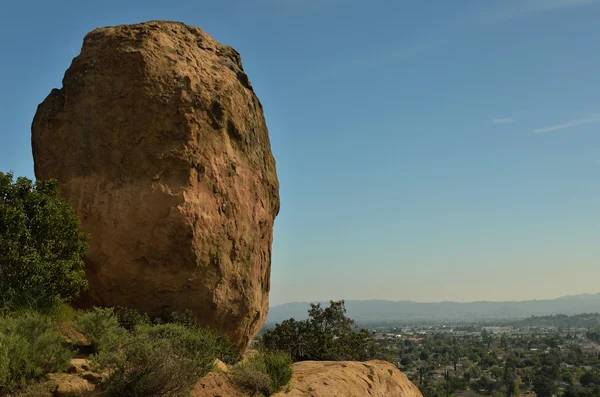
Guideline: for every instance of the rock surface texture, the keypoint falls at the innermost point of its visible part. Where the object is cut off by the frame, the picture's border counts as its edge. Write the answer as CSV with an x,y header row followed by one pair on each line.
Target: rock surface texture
x,y
349,379
160,144
326,379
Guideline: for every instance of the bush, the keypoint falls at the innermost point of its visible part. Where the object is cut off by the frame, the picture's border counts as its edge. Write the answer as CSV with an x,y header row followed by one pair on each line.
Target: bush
x,y
147,367
30,347
155,359
201,345
186,318
42,248
279,368
326,335
251,379
101,328
264,373
36,389
185,331
130,318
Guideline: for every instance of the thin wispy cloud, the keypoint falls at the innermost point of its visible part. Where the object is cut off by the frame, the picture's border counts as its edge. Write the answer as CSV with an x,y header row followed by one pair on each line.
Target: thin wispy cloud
x,y
570,124
504,120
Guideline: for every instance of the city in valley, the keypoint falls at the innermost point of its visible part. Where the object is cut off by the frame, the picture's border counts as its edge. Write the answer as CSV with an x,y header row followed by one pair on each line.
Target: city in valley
x,y
538,355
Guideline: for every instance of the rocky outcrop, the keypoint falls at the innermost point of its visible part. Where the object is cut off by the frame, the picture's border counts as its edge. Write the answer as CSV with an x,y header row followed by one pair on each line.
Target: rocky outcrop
x,y
326,379
160,144
216,384
349,379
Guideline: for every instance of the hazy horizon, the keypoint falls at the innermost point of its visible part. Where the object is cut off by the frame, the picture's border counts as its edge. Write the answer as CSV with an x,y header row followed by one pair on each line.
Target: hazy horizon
x,y
427,151
410,300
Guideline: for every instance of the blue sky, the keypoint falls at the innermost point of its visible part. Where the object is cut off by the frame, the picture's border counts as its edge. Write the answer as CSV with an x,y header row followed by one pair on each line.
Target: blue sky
x,y
426,150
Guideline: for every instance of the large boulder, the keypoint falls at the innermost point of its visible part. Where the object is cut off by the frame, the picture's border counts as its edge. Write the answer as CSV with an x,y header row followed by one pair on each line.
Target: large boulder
x,y
160,144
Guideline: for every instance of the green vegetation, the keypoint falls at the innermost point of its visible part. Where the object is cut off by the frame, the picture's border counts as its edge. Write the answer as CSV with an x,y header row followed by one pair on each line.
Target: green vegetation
x,y
146,366
41,251
279,368
151,358
327,334
265,372
30,347
101,328
586,320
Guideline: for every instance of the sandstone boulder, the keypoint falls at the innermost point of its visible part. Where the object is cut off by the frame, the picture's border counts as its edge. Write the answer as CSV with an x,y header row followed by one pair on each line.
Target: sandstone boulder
x,y
349,379
325,379
160,144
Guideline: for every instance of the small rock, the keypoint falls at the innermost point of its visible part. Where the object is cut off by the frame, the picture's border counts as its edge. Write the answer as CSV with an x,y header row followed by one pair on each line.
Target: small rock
x,y
79,365
220,366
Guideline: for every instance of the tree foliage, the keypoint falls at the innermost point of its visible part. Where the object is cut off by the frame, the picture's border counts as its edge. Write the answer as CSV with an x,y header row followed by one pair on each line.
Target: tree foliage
x,y
41,246
590,378
544,386
327,334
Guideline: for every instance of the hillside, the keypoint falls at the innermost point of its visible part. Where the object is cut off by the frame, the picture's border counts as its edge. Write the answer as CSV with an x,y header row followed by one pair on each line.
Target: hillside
x,y
370,311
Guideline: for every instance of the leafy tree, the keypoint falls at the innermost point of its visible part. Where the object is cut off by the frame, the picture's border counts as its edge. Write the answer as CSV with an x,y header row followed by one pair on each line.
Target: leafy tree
x,y
41,247
485,383
593,336
579,391
509,378
567,377
496,372
590,378
486,337
544,386
405,360
327,334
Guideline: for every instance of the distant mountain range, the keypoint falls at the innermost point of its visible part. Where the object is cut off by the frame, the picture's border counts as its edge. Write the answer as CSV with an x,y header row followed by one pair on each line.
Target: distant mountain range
x,y
381,311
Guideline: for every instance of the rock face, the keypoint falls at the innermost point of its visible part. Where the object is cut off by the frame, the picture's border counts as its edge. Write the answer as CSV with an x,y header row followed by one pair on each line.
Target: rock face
x,y
161,146
349,379
326,379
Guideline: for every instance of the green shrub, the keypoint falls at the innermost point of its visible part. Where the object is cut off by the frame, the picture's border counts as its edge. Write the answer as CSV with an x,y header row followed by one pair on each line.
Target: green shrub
x,y
185,318
30,347
326,335
101,327
201,345
36,389
130,318
147,367
185,331
251,379
264,373
155,359
42,248
61,312
279,368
